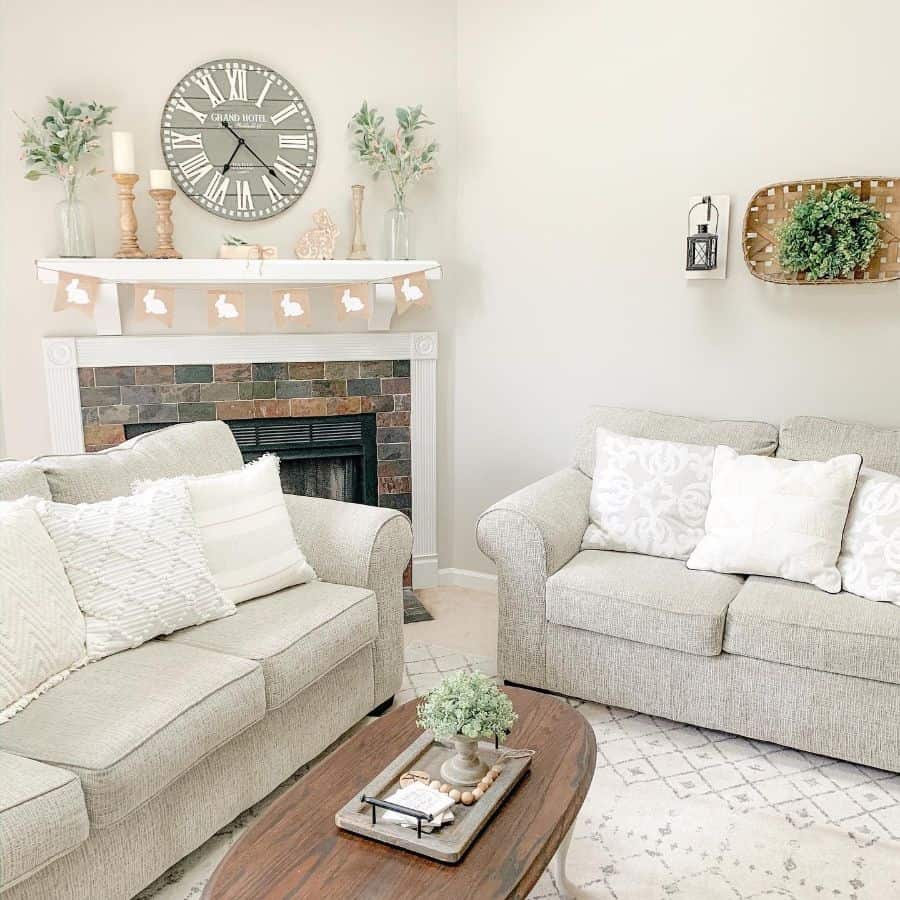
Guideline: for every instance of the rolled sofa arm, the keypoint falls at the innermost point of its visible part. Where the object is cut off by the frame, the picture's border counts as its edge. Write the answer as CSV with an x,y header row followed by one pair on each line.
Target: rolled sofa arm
x,y
529,536
361,546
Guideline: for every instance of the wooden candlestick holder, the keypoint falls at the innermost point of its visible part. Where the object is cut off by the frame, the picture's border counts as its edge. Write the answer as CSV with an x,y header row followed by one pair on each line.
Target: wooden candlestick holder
x,y
128,244
165,249
358,249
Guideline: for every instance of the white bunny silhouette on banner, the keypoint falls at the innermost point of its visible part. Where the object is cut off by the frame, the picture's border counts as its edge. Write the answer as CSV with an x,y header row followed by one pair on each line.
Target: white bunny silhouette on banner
x,y
291,306
153,301
75,290
352,300
224,307
411,290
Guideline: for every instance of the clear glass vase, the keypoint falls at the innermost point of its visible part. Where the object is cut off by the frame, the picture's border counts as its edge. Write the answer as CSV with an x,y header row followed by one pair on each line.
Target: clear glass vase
x,y
76,232
398,232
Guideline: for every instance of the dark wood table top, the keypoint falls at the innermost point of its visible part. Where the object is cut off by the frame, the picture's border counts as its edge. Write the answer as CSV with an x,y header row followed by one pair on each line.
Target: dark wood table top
x,y
295,850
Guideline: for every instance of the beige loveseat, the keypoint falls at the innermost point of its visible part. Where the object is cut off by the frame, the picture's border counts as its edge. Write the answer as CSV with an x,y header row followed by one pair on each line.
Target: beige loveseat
x,y
133,761
768,659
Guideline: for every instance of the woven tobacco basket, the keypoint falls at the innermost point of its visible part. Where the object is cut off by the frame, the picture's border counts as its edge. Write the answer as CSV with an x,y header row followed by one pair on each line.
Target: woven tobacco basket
x,y
771,205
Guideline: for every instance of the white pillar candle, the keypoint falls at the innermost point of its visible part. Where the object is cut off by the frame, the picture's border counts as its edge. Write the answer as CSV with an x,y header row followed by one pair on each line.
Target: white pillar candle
x,y
123,152
160,180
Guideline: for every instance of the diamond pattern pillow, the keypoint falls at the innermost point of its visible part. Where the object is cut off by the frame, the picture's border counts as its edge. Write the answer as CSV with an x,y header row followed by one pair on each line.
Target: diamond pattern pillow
x,y
41,627
136,565
648,496
870,557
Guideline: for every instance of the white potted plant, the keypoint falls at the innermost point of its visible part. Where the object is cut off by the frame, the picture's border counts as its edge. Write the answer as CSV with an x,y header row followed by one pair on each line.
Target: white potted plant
x,y
465,708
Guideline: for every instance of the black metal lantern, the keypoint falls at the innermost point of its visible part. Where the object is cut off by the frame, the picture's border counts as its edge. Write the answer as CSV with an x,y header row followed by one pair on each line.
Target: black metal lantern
x,y
703,247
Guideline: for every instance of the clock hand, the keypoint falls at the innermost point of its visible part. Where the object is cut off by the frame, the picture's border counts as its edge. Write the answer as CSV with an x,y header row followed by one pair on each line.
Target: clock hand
x,y
253,153
227,165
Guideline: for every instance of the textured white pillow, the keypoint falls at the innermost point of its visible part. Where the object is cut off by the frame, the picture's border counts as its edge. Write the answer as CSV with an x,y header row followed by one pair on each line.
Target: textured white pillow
x,y
41,626
246,530
870,558
648,496
777,517
136,565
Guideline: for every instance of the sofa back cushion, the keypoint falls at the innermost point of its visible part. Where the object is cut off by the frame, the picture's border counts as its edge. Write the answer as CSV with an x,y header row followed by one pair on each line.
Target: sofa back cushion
x,y
746,437
22,479
809,437
195,448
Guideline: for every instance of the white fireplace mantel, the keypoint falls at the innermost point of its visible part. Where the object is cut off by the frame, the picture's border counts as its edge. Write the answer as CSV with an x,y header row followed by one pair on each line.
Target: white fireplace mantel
x,y
114,273
64,355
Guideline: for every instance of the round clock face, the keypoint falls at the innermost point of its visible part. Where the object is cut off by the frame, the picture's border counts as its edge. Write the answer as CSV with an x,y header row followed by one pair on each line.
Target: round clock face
x,y
238,139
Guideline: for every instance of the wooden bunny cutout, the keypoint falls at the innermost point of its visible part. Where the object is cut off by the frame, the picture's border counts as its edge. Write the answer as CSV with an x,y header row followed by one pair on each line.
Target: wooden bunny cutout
x,y
318,242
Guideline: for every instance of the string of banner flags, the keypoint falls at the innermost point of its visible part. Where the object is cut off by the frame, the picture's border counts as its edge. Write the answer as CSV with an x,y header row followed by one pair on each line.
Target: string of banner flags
x,y
227,306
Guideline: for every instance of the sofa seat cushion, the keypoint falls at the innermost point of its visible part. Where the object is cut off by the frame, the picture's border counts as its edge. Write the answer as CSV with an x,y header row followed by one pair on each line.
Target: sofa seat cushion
x,y
799,625
642,598
296,635
130,724
42,816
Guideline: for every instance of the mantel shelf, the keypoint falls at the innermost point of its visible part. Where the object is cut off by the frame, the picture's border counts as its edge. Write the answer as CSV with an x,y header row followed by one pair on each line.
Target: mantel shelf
x,y
114,272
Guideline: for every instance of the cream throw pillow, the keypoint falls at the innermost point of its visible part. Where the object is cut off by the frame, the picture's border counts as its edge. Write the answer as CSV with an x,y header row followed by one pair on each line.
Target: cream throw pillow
x,y
246,531
648,496
777,517
870,558
41,626
136,565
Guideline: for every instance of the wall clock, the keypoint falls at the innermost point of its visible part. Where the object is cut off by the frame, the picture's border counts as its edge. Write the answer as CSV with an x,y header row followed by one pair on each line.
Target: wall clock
x,y
238,139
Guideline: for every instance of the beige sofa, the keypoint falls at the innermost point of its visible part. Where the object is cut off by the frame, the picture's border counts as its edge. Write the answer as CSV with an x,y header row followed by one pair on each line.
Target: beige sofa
x,y
768,659
133,761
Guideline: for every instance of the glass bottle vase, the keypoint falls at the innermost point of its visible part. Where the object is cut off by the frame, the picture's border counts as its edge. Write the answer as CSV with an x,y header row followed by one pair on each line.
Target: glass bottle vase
x,y
76,232
398,233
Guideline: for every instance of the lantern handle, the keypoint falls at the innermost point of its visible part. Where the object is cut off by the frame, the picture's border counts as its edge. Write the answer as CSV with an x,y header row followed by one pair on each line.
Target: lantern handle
x,y
707,202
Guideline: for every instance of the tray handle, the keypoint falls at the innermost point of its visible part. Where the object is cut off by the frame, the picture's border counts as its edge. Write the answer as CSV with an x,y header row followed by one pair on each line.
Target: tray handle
x,y
418,815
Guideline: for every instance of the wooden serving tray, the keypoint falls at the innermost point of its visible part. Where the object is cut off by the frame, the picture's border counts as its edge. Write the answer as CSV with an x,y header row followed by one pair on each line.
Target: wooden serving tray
x,y
448,843
771,205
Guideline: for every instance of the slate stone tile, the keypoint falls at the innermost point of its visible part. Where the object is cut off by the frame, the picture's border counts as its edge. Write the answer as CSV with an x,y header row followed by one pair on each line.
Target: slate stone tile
x,y
232,372
118,415
269,371
364,387
329,388
377,369
313,407
401,368
393,467
245,389
99,436
392,435
272,409
187,393
395,386
394,485
219,390
86,376
184,374
235,409
343,370
306,371
154,374
108,375
393,451
403,402
342,406
159,412
101,396
401,502
148,394
90,416
196,412
376,404
389,419
285,390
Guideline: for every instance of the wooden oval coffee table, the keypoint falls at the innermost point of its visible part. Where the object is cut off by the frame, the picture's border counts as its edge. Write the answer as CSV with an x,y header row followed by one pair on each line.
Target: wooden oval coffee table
x,y
295,850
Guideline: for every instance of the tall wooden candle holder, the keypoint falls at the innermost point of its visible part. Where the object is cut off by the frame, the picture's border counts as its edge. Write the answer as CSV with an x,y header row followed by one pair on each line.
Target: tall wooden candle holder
x,y
165,249
128,244
358,249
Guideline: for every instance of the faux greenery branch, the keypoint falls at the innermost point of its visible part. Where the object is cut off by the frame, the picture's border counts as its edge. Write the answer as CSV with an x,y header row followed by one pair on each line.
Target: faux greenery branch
x,y
467,703
56,144
404,160
830,234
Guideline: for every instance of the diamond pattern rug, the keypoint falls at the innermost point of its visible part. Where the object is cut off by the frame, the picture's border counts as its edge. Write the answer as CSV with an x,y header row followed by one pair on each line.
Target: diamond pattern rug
x,y
677,812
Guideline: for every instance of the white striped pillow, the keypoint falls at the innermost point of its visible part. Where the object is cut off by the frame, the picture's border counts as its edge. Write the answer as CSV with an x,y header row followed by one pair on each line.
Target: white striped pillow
x,y
246,531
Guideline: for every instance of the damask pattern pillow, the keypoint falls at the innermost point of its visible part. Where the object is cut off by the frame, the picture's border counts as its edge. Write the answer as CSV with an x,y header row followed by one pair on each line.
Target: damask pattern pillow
x,y
41,626
136,565
777,517
870,557
648,496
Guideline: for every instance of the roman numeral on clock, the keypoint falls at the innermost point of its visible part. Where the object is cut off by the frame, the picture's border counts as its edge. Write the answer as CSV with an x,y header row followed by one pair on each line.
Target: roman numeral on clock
x,y
184,106
207,84
237,84
217,188
262,94
195,167
180,140
293,141
244,196
289,170
274,194
285,113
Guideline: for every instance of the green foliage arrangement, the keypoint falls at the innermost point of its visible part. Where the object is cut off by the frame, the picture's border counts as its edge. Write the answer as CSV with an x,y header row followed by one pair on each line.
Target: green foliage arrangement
x,y
405,160
830,234
56,144
466,703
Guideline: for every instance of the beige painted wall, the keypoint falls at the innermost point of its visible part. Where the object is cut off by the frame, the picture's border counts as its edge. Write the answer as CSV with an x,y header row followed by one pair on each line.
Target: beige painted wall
x,y
583,127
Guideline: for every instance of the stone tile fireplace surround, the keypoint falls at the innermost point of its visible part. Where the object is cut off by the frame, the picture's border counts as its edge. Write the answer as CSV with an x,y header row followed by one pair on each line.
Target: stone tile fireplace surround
x,y
101,388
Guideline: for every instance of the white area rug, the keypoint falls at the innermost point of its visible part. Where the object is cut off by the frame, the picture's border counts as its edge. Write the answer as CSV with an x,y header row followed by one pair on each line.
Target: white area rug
x,y
681,812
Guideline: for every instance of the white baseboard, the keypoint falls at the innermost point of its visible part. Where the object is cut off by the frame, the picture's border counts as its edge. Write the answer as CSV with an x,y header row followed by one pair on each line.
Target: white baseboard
x,y
467,578
425,571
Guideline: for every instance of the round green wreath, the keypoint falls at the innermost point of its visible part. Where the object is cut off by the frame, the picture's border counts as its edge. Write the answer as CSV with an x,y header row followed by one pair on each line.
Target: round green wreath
x,y
830,234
